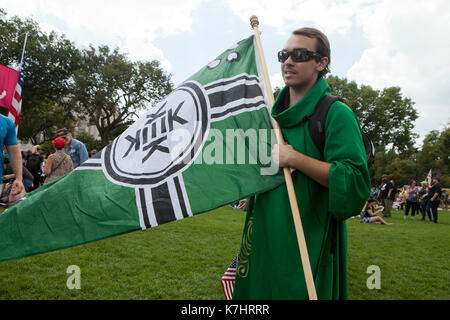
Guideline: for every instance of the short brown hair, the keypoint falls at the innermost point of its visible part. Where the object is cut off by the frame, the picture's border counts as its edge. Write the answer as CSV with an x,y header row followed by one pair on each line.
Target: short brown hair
x,y
323,45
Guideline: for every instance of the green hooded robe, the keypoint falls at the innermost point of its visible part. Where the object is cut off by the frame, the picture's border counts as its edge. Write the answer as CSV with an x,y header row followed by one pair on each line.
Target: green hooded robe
x,y
269,265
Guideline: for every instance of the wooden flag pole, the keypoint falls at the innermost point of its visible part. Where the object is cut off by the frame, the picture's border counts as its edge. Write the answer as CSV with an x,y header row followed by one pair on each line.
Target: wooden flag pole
x,y
287,172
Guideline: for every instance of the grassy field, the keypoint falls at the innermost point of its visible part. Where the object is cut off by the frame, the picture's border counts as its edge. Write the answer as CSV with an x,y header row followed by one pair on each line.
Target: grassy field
x,y
186,259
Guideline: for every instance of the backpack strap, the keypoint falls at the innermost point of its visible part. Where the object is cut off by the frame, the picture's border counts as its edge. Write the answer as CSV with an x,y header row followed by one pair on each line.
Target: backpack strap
x,y
318,118
57,166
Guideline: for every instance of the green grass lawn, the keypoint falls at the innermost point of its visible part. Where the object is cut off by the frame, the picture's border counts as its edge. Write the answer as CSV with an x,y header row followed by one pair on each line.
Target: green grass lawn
x,y
186,259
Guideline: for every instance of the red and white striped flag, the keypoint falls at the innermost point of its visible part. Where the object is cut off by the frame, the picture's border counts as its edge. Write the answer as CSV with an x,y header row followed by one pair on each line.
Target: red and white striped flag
x,y
227,280
16,104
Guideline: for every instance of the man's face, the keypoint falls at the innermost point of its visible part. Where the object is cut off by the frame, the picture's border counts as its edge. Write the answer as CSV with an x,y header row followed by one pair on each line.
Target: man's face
x,y
68,139
301,74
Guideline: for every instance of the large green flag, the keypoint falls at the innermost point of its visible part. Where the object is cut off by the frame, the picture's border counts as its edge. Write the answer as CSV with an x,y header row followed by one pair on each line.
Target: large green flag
x,y
205,145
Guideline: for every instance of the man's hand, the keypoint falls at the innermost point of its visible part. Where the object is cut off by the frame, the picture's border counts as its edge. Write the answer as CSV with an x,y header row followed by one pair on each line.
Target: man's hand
x,y
243,204
17,191
282,155
285,156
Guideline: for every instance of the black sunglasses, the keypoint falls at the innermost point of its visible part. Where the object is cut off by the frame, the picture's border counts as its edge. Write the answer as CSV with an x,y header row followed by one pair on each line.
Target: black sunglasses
x,y
298,55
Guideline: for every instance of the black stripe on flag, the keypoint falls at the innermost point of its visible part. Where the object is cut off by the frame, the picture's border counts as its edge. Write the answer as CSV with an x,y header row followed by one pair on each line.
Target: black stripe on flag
x,y
144,208
221,98
90,164
162,204
176,180
245,106
230,81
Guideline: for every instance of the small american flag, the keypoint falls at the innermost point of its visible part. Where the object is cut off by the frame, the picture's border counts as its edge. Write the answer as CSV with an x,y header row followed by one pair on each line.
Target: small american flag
x,y
14,111
227,280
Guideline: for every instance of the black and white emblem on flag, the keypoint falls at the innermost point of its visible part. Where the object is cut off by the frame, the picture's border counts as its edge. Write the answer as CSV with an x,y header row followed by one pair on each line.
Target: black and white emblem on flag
x,y
151,154
163,142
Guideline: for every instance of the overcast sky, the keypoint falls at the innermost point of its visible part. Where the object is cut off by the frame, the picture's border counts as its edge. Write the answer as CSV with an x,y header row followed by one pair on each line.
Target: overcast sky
x,y
381,43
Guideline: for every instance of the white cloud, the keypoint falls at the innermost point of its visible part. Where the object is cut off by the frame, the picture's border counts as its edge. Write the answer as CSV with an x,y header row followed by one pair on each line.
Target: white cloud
x,y
329,15
407,41
276,80
132,25
409,49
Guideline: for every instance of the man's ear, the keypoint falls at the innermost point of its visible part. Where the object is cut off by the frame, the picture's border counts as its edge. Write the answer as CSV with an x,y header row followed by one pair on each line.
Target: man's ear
x,y
322,64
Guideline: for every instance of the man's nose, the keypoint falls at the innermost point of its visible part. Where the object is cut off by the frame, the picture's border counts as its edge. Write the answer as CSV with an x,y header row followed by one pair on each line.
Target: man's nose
x,y
288,61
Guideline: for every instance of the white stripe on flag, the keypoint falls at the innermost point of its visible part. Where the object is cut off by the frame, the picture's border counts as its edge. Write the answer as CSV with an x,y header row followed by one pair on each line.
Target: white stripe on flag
x,y
185,196
147,202
175,201
232,85
91,164
139,207
231,79
19,89
242,110
10,115
237,103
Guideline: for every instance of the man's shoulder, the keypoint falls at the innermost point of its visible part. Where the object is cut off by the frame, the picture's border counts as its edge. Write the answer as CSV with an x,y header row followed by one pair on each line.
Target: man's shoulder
x,y
340,108
77,143
5,121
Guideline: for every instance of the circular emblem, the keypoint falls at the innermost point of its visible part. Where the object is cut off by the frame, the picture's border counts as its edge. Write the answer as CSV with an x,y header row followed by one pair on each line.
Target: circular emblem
x,y
163,142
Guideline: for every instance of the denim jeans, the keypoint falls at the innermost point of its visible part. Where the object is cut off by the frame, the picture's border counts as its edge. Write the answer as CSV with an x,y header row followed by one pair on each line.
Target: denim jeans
x,y
426,210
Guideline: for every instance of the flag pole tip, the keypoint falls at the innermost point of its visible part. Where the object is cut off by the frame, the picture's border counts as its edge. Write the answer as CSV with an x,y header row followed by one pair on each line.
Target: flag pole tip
x,y
254,21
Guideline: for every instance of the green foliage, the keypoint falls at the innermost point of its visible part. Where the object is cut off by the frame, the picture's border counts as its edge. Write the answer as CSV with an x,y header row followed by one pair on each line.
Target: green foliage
x,y
63,83
50,63
385,115
388,118
108,90
433,155
186,259
90,142
403,171
445,181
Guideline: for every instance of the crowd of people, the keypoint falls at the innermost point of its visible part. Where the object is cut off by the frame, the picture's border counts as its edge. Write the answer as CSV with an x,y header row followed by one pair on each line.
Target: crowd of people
x,y
411,198
40,168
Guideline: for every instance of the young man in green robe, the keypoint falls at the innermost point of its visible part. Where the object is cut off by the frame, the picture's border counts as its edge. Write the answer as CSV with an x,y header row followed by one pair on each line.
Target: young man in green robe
x,y
329,188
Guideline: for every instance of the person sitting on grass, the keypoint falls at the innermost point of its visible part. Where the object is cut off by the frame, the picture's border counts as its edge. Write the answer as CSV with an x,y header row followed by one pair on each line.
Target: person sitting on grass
x,y
370,213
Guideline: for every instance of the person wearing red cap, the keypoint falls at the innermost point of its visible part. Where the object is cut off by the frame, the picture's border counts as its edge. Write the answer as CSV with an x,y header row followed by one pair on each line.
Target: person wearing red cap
x,y
58,163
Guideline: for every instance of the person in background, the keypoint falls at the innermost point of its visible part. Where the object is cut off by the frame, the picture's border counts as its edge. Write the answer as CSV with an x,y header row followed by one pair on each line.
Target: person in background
x,y
385,195
42,177
394,194
92,153
374,192
403,195
412,196
74,148
9,175
8,140
58,163
423,202
445,200
370,213
434,196
34,165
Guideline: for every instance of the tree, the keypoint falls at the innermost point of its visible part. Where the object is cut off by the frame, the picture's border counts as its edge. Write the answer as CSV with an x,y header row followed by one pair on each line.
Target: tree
x,y
435,153
403,171
50,62
385,115
108,90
